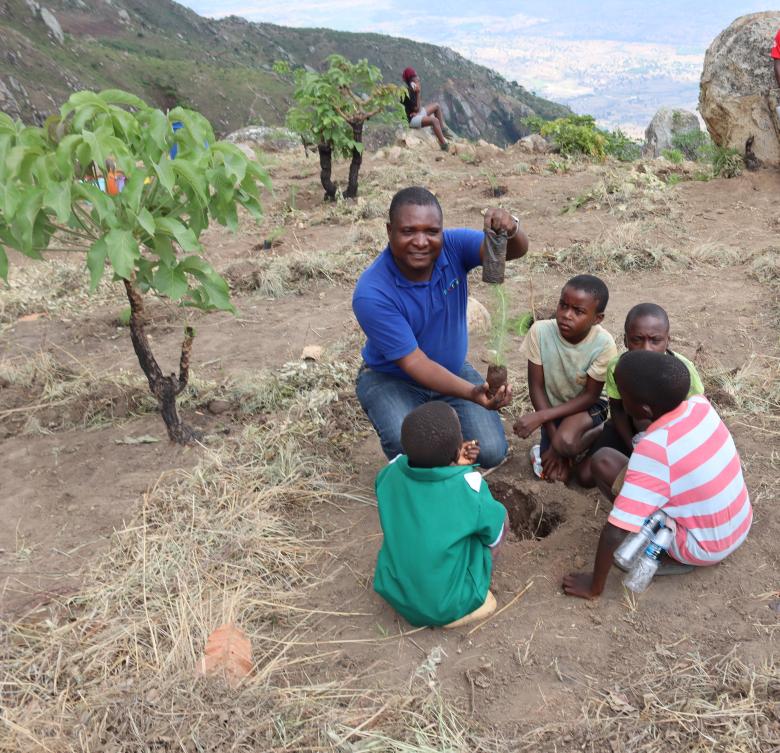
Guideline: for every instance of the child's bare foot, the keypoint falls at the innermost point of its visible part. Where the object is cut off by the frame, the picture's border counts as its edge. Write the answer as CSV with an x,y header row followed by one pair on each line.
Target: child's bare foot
x,y
579,584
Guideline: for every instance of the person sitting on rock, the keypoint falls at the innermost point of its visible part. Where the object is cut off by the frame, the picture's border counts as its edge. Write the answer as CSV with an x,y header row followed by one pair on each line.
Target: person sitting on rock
x,y
775,53
411,302
419,116
441,525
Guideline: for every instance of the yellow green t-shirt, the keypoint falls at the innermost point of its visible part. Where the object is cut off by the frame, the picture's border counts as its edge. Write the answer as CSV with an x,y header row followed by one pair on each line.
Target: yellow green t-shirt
x,y
566,365
613,393
439,524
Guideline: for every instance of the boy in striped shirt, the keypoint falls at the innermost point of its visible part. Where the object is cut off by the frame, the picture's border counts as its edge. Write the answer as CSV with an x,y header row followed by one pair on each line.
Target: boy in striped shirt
x,y
686,464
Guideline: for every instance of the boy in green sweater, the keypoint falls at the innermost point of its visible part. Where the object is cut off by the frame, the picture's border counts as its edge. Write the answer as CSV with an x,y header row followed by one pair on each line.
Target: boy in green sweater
x,y
441,525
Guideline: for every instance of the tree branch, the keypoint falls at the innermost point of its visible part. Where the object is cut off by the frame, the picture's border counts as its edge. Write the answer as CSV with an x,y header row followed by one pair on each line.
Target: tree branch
x,y
184,361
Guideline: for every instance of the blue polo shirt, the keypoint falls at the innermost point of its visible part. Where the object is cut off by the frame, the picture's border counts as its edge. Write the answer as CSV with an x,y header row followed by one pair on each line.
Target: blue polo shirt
x,y
399,316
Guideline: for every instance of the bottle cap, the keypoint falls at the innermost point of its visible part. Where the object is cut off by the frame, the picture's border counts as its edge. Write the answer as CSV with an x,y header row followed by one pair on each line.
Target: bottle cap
x,y
663,538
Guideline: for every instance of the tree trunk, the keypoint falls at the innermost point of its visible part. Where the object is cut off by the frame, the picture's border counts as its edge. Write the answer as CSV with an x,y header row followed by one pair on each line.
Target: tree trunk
x,y
164,388
357,159
326,158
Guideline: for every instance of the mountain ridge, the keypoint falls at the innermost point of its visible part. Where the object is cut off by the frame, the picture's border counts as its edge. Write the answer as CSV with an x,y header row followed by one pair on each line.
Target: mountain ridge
x,y
170,55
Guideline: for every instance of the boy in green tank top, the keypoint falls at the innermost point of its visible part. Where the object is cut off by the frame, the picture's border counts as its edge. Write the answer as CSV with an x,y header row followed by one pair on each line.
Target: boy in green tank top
x,y
646,328
441,525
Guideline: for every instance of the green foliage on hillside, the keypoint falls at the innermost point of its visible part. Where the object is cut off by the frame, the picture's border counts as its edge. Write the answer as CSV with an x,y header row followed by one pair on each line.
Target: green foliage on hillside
x,y
578,135
170,56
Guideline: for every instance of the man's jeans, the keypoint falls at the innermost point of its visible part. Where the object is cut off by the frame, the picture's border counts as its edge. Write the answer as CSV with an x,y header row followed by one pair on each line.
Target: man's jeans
x,y
387,400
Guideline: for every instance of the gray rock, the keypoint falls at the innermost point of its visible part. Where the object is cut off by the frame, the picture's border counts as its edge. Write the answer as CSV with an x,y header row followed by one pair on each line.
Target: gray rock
x,y
8,103
664,126
739,92
52,24
477,316
533,144
275,139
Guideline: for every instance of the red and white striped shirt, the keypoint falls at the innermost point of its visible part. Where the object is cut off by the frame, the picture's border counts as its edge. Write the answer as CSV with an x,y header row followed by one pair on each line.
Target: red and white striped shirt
x,y
688,465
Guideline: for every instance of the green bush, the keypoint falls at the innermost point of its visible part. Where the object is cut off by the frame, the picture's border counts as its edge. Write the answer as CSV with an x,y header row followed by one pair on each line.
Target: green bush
x,y
579,135
622,147
695,146
673,155
726,163
576,134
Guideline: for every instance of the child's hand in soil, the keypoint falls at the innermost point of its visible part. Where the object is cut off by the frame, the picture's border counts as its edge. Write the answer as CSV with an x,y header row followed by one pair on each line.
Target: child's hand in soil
x,y
579,584
527,425
555,467
469,452
481,396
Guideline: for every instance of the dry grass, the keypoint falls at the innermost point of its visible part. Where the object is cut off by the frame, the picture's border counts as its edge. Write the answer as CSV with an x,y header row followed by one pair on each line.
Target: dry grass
x,y
274,277
686,704
54,287
113,668
630,247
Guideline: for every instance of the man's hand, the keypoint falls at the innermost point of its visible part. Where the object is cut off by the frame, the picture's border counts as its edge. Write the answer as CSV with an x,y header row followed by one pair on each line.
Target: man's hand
x,y
527,424
481,396
555,467
580,584
498,220
469,452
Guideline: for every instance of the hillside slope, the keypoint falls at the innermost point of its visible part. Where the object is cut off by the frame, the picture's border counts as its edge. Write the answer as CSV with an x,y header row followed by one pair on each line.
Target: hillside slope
x,y
169,55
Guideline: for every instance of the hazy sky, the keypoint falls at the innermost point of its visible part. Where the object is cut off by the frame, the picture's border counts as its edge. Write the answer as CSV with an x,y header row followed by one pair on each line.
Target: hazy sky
x,y
691,24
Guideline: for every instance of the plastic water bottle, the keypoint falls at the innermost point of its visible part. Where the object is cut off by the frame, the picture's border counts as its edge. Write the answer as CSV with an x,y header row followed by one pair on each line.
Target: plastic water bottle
x,y
633,545
647,565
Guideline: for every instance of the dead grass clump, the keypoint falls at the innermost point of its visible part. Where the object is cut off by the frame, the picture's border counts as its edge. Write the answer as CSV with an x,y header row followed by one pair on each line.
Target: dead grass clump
x,y
627,248
53,287
686,704
752,390
630,247
277,276
629,193
63,395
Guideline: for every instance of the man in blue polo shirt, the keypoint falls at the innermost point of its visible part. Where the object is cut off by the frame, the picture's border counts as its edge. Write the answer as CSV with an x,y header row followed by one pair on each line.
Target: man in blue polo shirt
x,y
411,304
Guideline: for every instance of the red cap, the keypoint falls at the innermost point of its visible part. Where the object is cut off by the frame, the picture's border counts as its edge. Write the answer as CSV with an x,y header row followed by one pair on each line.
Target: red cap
x,y
408,74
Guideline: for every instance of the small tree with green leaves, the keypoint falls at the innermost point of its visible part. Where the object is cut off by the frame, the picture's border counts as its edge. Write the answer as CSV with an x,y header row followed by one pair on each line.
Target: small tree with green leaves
x,y
332,108
146,236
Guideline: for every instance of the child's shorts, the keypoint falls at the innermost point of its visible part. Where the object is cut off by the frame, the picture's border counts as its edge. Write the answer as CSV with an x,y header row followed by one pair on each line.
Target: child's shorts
x,y
597,411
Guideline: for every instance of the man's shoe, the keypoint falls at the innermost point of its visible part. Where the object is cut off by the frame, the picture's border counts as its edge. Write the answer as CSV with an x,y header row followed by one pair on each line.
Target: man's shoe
x,y
445,147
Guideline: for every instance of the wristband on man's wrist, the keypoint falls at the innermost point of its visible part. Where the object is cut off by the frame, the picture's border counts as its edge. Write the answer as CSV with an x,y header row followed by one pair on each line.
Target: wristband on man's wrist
x,y
517,228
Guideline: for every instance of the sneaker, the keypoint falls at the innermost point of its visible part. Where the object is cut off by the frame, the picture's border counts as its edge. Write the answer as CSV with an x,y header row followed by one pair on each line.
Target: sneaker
x,y
536,460
445,147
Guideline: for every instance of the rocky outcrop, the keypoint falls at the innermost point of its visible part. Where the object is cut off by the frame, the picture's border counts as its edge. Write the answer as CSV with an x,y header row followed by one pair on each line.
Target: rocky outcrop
x,y
53,25
274,139
738,89
665,125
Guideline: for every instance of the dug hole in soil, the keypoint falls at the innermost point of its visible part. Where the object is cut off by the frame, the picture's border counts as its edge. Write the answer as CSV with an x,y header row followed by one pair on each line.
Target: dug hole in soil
x,y
529,518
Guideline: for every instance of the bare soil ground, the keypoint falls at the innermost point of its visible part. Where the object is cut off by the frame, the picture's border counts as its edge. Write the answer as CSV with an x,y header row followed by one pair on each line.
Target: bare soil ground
x,y
81,461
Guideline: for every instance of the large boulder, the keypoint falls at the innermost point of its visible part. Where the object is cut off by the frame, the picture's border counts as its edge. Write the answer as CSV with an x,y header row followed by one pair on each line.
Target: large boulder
x,y
665,125
738,89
